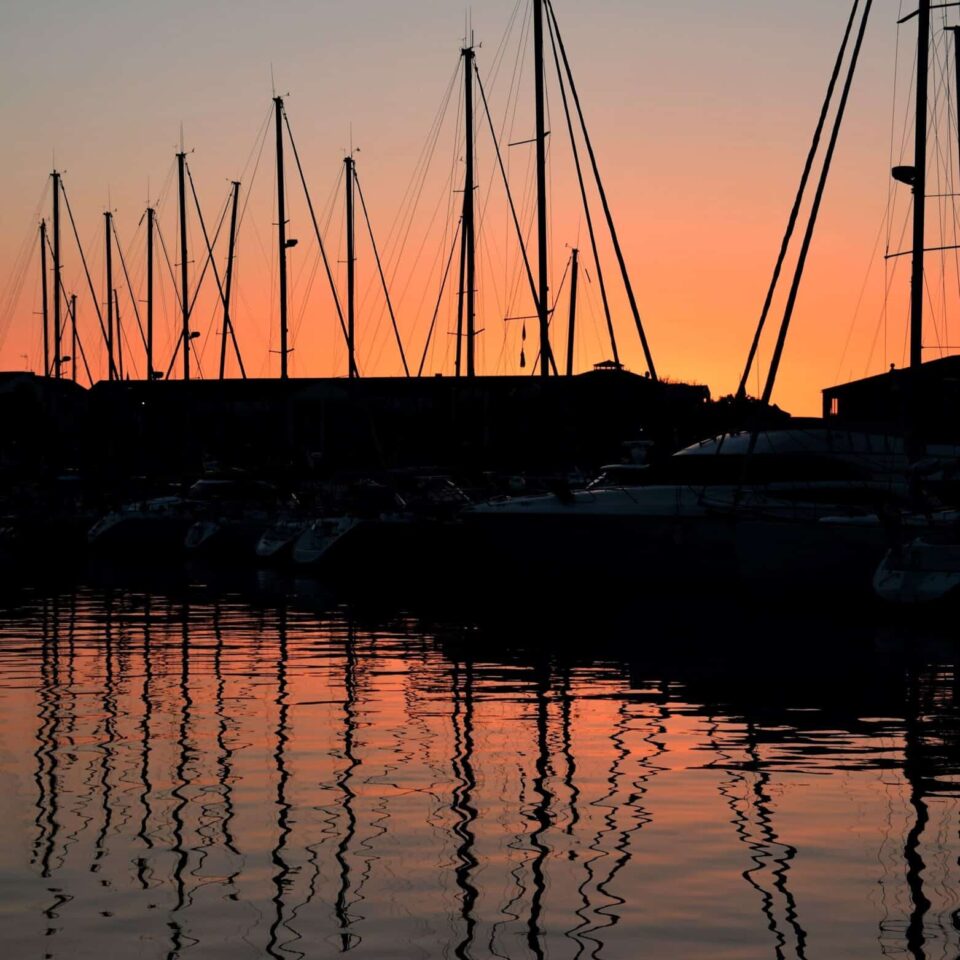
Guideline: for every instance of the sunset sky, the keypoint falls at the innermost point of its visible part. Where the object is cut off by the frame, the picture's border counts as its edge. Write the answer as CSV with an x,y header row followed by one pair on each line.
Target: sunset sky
x,y
701,113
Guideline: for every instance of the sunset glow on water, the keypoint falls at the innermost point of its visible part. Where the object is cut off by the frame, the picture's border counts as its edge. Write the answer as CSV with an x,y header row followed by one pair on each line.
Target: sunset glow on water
x,y
191,774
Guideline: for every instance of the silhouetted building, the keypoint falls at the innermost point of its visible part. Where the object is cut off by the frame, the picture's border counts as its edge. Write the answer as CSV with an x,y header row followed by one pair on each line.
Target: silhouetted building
x,y
335,424
882,399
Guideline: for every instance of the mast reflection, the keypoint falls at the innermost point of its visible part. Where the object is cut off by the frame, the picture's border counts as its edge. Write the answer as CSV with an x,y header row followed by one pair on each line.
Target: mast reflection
x,y
462,801
146,747
348,939
282,872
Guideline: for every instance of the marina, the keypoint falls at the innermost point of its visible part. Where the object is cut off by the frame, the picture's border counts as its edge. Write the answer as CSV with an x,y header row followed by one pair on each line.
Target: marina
x,y
377,588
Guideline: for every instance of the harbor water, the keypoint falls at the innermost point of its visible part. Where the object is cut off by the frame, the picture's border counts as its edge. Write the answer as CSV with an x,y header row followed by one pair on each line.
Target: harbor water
x,y
190,770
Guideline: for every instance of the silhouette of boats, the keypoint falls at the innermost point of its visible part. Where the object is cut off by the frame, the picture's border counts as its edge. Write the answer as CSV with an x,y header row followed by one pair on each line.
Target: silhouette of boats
x,y
215,516
812,505
924,570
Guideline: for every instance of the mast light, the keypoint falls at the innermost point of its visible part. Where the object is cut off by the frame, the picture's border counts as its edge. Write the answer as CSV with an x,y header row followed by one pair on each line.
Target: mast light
x,y
907,175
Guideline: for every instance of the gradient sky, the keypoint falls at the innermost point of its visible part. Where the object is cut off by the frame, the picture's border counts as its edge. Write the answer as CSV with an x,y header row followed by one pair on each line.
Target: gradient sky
x,y
701,113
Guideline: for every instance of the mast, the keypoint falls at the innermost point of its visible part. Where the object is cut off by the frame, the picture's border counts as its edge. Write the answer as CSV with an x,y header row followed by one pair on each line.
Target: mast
x,y
574,277
469,228
349,163
541,138
461,288
919,189
151,215
73,338
46,309
281,239
107,216
58,352
228,283
116,307
184,290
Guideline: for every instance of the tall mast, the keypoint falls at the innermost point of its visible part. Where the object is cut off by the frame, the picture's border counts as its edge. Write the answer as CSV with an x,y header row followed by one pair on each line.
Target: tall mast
x,y
46,308
151,215
281,238
574,277
461,290
541,138
351,265
116,307
228,284
919,187
107,216
73,338
184,290
58,352
469,227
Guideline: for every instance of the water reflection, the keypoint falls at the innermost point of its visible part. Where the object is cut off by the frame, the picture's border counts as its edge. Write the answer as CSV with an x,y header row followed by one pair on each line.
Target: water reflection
x,y
190,772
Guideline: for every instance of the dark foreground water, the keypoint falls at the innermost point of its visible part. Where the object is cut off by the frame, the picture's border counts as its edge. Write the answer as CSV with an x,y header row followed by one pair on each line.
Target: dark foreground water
x,y
193,773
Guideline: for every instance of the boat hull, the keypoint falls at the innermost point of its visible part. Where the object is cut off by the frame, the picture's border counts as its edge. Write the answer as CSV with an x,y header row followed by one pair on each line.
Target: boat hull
x,y
142,538
701,547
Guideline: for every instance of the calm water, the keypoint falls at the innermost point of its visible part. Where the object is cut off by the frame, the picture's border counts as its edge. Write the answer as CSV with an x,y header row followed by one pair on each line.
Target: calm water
x,y
190,774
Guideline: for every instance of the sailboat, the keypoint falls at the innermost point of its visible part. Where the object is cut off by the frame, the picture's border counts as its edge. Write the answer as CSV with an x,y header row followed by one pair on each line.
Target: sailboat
x,y
813,505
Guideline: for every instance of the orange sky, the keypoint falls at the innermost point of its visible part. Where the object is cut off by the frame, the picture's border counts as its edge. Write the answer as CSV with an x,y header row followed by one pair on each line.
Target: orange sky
x,y
701,114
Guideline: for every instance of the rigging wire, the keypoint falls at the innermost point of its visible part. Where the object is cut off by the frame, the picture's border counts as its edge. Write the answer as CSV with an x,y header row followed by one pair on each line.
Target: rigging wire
x,y
326,214
316,228
123,264
812,222
603,195
506,183
405,220
211,260
383,279
891,195
22,263
121,337
436,311
583,195
169,262
410,201
801,192
63,293
96,303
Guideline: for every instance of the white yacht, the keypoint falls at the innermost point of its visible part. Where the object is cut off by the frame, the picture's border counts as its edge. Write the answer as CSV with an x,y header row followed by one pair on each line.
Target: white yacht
x,y
805,504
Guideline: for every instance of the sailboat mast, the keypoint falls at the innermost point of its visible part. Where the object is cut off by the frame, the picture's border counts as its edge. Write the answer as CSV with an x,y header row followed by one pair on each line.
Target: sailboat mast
x,y
116,307
107,216
45,308
920,187
57,346
541,138
228,284
351,265
151,215
184,289
571,329
281,238
469,228
73,338
462,286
